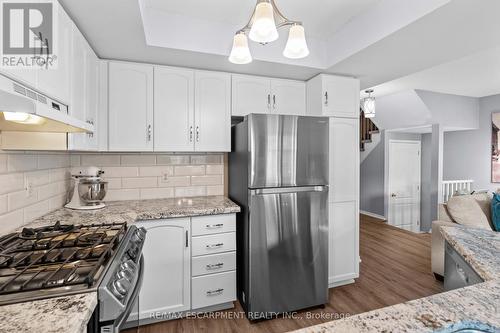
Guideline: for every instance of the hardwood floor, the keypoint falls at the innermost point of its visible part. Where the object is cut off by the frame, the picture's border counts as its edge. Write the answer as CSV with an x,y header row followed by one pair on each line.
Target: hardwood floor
x,y
395,268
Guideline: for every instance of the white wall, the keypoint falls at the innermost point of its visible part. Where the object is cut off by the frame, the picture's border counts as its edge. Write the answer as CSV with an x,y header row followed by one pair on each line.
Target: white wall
x,y
467,154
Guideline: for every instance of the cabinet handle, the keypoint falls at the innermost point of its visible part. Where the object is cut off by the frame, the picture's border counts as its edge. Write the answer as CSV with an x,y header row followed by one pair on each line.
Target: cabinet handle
x,y
191,134
197,133
326,98
274,101
215,292
187,239
215,266
149,132
269,101
214,246
214,226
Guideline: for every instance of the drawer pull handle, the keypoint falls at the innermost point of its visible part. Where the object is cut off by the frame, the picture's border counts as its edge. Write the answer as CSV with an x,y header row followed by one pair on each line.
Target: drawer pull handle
x,y
215,292
215,266
214,246
214,226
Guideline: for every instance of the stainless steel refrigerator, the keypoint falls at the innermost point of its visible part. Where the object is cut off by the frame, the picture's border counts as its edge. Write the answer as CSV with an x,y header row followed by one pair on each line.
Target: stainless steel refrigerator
x,y
278,174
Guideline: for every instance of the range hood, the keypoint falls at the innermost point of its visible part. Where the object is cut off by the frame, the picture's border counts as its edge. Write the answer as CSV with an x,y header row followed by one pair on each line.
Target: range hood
x,y
25,110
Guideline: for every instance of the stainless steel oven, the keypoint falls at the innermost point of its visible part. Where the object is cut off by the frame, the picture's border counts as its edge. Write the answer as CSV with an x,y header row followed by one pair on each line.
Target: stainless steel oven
x,y
119,289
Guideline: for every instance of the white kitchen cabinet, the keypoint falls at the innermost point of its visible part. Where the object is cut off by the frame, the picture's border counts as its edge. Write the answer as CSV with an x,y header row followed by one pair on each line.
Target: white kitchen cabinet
x,y
254,94
85,93
173,109
130,107
344,159
102,106
166,286
343,243
183,272
336,96
56,82
344,201
212,112
288,97
250,94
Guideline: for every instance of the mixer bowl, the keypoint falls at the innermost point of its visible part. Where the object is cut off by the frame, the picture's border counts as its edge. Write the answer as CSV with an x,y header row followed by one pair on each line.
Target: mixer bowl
x,y
92,191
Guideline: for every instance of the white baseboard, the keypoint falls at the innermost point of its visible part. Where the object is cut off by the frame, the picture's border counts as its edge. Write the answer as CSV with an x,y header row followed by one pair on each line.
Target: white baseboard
x,y
380,217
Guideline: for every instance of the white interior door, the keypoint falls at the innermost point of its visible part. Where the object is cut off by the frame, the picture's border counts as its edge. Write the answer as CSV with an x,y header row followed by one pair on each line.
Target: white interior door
x,y
404,184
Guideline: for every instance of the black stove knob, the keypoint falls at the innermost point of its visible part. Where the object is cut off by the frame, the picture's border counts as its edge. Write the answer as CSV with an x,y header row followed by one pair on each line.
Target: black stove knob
x,y
120,287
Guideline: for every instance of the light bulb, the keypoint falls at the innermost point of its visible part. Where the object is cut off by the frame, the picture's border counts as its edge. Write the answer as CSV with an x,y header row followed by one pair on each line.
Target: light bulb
x,y
240,53
296,46
263,26
23,118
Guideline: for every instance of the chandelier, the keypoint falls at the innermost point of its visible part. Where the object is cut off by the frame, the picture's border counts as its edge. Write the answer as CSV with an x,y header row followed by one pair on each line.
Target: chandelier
x,y
369,104
263,28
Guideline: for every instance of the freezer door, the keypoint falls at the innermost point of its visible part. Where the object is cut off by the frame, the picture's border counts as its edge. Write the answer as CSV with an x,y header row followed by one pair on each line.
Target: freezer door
x,y
288,240
287,150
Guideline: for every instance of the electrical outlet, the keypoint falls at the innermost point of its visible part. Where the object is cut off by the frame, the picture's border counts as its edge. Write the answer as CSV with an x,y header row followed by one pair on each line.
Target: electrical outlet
x,y
164,177
29,189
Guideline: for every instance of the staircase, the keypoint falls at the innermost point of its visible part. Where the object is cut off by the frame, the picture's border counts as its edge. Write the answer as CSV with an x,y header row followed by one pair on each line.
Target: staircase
x,y
369,135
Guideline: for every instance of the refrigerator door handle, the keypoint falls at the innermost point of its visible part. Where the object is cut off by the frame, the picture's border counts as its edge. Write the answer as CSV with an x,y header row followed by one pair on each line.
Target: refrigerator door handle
x,y
278,190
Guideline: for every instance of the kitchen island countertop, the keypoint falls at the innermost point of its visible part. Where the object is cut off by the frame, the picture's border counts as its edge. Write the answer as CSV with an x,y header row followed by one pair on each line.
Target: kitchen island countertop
x,y
71,313
447,312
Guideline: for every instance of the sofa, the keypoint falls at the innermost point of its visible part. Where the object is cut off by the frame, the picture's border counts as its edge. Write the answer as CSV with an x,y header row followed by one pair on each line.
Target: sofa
x,y
468,211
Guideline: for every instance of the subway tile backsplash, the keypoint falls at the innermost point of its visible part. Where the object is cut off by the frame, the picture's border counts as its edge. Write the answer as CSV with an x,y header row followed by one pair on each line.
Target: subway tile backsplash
x,y
153,176
31,185
35,183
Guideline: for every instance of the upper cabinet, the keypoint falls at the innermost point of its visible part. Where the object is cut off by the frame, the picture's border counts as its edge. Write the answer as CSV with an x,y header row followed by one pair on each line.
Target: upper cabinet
x,y
173,109
84,92
251,94
254,94
335,96
130,107
288,97
56,82
212,111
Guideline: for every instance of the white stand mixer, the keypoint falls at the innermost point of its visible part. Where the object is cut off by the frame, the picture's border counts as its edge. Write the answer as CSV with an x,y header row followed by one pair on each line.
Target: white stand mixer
x,y
88,189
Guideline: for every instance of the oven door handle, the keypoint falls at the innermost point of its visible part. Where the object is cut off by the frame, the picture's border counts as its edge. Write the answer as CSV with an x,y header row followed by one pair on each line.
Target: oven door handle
x,y
131,301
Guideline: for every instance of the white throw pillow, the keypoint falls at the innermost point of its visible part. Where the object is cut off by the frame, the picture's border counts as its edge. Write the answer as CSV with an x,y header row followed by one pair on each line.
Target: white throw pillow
x,y
465,210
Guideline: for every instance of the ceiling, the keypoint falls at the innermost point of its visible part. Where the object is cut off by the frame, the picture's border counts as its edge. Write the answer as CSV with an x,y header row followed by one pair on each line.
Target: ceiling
x,y
380,41
321,17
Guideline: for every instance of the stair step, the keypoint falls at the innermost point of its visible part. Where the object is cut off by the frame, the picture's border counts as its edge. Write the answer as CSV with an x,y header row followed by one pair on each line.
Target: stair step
x,y
374,132
361,149
366,141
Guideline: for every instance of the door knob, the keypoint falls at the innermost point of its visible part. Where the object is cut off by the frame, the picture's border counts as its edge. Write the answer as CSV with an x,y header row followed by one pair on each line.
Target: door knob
x,y
393,195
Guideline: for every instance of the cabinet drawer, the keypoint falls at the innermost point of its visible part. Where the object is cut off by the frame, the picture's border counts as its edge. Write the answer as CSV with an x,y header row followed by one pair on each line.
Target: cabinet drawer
x,y
211,244
213,224
213,289
214,263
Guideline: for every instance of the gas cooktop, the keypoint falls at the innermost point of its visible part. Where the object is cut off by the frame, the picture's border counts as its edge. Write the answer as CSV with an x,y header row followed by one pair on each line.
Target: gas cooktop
x,y
56,260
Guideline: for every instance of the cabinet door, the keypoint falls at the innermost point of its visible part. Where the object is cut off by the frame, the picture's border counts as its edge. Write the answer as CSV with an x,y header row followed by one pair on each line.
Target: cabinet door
x,y
78,72
173,109
86,141
212,111
130,107
167,267
344,159
56,82
288,97
251,94
343,242
341,96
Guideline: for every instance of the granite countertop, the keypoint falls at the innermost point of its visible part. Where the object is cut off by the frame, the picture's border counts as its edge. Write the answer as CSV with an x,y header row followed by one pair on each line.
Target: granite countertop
x,y
70,314
477,305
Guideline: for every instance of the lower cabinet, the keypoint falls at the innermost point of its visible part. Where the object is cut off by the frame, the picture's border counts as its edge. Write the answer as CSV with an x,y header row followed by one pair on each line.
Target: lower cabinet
x,y
188,272
343,243
167,267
